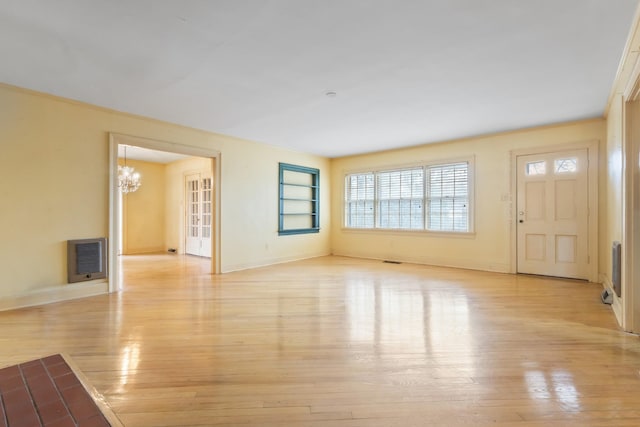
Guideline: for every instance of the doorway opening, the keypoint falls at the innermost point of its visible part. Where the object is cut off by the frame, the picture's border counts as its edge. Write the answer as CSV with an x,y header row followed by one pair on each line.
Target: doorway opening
x,y
176,162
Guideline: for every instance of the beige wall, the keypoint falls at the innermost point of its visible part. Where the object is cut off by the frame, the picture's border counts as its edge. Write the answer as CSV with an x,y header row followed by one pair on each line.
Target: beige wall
x,y
175,190
489,248
56,187
143,211
250,220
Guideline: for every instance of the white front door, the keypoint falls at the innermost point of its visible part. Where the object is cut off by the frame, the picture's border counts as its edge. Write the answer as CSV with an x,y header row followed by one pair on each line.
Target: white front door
x,y
552,214
198,218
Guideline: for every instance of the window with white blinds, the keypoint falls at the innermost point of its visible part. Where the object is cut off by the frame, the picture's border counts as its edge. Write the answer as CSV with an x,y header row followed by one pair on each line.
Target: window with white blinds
x,y
400,199
433,197
360,200
448,197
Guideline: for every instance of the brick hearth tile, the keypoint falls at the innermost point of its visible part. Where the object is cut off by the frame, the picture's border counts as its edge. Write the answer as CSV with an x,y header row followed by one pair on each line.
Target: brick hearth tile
x,y
73,394
44,392
97,421
9,372
3,422
59,370
15,400
22,415
83,408
33,371
62,422
52,360
30,364
11,383
66,381
39,381
52,411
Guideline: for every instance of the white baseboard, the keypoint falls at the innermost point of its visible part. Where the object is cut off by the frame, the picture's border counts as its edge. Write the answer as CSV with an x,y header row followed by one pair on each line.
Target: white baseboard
x,y
146,251
270,261
468,264
55,294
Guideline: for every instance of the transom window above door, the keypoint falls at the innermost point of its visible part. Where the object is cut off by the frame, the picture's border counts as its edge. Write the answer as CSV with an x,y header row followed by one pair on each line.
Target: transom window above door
x,y
568,165
536,168
563,165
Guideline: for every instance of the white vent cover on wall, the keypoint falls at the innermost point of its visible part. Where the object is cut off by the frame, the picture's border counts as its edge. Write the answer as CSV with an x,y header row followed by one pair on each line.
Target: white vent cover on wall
x,y
86,259
616,268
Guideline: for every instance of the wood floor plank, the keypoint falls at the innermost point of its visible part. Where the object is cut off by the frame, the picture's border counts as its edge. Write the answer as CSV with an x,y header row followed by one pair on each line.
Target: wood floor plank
x,y
340,342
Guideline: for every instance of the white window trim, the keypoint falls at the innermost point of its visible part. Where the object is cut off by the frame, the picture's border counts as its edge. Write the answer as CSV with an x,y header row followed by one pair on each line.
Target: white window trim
x,y
470,160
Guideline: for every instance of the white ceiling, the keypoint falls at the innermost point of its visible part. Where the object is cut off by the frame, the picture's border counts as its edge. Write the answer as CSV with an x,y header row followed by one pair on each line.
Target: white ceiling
x,y
405,72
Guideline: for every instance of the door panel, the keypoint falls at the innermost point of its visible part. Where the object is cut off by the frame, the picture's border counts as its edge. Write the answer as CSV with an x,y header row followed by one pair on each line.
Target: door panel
x,y
535,249
565,200
552,221
566,249
535,201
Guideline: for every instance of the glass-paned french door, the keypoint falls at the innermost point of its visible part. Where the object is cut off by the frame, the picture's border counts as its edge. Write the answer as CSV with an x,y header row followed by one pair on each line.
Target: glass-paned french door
x,y
198,218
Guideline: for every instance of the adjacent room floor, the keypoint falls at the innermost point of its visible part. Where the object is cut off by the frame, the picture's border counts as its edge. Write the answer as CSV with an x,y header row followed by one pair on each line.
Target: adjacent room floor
x,y
337,341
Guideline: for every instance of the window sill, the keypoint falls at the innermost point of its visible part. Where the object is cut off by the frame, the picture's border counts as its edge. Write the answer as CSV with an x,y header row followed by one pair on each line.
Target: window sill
x,y
298,231
421,233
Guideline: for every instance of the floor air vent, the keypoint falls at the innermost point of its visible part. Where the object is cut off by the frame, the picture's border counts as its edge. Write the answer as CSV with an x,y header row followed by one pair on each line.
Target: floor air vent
x,y
86,259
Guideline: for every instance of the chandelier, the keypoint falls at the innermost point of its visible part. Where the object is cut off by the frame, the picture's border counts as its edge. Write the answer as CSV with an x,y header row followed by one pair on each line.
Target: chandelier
x,y
128,178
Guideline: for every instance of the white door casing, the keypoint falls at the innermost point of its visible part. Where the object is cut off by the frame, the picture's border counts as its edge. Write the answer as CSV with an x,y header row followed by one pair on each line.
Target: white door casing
x,y
552,213
631,212
215,157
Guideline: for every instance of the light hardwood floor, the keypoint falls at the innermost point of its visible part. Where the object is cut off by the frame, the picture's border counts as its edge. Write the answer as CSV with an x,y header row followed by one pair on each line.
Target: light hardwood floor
x,y
340,342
